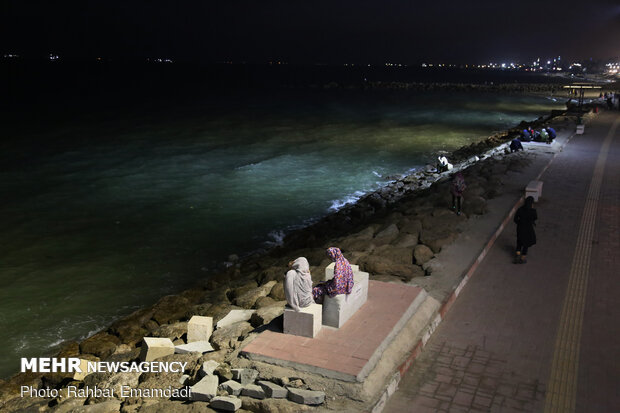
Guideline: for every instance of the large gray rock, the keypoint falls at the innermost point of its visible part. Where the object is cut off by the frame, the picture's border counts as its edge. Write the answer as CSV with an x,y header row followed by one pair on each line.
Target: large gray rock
x,y
248,299
405,240
235,316
266,314
195,347
273,390
170,308
277,292
437,239
101,345
376,265
412,227
171,331
208,367
225,403
228,337
422,254
232,387
253,390
387,235
310,397
244,376
205,389
239,291
264,302
475,205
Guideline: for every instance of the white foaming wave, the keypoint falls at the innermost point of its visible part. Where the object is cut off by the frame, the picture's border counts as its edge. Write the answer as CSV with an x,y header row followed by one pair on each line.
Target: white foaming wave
x,y
377,174
349,199
276,238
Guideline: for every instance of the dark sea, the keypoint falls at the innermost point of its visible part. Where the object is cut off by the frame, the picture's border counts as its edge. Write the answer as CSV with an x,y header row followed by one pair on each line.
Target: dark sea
x,y
124,183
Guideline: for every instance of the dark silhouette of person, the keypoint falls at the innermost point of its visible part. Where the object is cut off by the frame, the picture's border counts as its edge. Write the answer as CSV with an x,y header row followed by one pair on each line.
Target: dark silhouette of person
x,y
525,218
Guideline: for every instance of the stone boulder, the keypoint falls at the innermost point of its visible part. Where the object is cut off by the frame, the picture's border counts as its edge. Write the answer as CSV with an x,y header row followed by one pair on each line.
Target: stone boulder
x,y
224,372
232,387
225,403
422,254
245,376
310,397
205,389
273,390
101,345
387,235
229,336
235,316
264,302
198,309
376,265
248,299
394,254
239,291
265,315
253,390
405,240
412,227
171,331
170,308
437,239
277,292
475,205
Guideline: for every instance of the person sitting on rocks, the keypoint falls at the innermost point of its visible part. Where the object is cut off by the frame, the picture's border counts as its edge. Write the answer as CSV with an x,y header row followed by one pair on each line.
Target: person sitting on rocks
x,y
515,145
341,283
552,134
544,135
526,136
443,164
298,284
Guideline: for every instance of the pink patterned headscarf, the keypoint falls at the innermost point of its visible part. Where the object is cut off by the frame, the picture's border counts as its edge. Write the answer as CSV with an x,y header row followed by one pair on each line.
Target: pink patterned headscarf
x,y
343,273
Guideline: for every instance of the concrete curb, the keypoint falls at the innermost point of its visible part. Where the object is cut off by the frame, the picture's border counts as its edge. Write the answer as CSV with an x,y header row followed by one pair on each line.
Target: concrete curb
x,y
447,304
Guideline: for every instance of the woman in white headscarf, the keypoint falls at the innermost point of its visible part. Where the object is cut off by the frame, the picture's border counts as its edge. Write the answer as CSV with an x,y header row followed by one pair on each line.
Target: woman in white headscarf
x,y
298,284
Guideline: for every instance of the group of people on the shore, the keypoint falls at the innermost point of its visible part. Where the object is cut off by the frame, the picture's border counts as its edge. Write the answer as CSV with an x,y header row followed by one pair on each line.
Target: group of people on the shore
x,y
298,288
546,135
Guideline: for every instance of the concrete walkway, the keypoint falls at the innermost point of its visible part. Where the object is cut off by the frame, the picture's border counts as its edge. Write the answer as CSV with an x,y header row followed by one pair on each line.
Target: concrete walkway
x,y
541,336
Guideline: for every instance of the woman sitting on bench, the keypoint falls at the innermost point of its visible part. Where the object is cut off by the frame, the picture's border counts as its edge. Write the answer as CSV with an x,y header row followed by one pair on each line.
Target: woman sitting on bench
x,y
341,283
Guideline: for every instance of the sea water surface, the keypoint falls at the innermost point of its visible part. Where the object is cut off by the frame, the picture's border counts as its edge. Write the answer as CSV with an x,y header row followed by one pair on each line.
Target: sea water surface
x,y
107,212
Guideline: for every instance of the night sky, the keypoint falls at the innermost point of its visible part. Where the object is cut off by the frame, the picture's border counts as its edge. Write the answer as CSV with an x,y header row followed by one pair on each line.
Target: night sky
x,y
318,31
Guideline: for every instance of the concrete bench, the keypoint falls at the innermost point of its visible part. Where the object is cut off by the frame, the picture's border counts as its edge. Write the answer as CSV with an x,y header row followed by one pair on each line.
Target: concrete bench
x,y
306,323
337,310
534,189
580,129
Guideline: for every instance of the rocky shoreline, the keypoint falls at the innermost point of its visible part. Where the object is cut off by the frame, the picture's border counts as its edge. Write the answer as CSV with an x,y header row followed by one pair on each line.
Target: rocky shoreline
x,y
393,234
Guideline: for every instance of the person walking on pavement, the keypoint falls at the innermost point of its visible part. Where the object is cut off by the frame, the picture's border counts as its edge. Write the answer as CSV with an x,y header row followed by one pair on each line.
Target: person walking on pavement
x,y
525,218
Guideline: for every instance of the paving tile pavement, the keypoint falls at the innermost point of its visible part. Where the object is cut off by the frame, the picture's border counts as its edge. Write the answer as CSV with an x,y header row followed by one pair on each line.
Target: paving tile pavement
x,y
493,351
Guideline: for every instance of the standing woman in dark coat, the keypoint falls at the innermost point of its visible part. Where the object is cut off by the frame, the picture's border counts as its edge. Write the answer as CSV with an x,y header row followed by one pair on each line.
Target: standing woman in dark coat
x,y
525,218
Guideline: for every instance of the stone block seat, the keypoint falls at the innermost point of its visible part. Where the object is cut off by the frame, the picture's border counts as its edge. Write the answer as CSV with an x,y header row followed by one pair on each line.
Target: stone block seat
x,y
337,310
307,322
534,189
580,129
